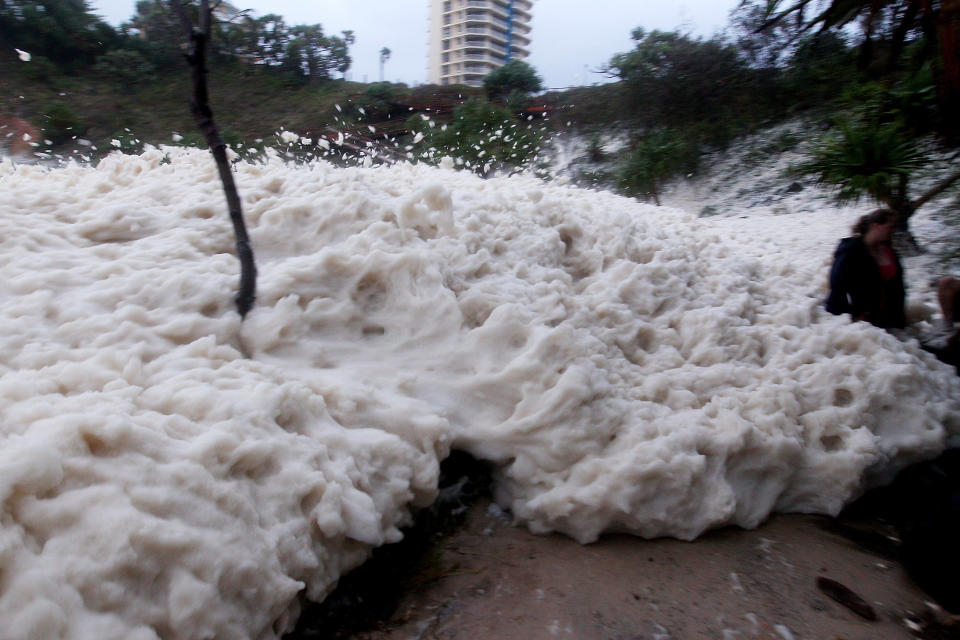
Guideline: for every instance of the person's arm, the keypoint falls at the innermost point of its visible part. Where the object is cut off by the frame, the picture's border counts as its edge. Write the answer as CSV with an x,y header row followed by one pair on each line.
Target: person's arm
x,y
840,300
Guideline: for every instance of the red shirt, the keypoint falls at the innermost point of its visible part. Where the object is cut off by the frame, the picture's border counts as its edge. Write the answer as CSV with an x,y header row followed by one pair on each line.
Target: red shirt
x,y
888,271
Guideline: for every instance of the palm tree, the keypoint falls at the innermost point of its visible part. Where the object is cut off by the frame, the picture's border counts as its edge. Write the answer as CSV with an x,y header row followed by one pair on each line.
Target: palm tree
x,y
384,56
873,159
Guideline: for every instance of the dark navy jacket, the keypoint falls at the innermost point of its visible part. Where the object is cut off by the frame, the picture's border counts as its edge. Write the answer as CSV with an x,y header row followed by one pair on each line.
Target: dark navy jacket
x,y
857,288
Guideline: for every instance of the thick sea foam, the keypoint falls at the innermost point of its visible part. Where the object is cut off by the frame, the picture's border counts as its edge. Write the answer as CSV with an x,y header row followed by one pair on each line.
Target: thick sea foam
x,y
624,368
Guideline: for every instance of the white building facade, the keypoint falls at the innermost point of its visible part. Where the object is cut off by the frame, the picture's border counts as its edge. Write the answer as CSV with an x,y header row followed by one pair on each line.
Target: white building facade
x,y
471,38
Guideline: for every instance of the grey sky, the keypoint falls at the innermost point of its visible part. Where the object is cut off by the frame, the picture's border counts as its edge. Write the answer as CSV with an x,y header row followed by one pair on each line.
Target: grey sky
x,y
570,37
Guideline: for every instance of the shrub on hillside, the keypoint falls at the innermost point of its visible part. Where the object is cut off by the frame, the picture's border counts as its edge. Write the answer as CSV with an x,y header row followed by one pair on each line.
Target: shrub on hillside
x,y
125,66
61,123
657,156
482,137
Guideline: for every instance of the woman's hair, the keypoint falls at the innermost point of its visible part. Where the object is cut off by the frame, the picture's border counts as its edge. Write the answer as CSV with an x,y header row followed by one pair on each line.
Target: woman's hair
x,y
879,216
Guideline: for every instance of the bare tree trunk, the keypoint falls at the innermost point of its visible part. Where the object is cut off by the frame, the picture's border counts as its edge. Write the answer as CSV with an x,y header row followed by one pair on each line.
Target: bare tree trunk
x,y
907,20
200,106
948,73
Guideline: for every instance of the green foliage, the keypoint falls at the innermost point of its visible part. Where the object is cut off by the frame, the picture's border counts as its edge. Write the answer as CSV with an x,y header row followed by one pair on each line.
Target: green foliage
x,y
596,177
64,31
676,81
482,137
125,66
821,67
156,32
310,55
303,53
599,105
658,155
40,69
890,26
61,123
126,142
381,91
595,149
514,76
378,100
866,158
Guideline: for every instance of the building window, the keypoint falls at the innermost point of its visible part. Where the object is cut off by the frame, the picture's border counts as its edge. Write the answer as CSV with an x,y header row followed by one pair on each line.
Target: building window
x,y
446,57
446,45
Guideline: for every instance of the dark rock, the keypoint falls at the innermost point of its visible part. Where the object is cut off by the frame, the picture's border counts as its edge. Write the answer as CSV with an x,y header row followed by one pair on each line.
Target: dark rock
x,y
923,506
846,597
363,599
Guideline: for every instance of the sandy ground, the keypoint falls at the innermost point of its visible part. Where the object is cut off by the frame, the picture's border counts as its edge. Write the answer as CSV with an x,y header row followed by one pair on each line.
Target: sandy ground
x,y
491,579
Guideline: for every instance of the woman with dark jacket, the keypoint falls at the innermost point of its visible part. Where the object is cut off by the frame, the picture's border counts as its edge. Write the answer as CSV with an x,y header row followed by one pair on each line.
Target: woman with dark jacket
x,y
866,279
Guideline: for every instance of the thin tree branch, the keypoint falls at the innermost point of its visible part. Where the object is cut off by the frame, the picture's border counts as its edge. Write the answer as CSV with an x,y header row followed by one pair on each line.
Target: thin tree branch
x,y
937,189
203,114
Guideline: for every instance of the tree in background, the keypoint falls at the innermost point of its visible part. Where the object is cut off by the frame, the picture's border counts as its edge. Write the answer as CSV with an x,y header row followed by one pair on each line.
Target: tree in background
x,y
893,24
798,68
302,52
311,56
66,32
264,40
678,81
657,155
384,56
903,62
515,78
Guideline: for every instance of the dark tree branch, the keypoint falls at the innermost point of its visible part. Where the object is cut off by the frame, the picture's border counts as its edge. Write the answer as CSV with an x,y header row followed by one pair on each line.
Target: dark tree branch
x,y
904,25
200,106
937,189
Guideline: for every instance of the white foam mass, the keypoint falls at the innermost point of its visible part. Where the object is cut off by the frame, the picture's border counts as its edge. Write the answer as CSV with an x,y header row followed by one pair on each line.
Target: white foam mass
x,y
624,367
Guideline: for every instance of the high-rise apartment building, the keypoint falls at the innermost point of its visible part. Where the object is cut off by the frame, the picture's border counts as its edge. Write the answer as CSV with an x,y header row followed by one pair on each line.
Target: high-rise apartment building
x,y
471,38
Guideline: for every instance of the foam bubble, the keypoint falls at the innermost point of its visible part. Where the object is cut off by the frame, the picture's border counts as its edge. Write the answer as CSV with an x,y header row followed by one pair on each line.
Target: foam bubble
x,y
624,367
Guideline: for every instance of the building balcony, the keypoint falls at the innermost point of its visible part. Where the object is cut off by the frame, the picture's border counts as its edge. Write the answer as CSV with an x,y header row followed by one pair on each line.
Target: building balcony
x,y
501,12
502,7
520,39
524,9
496,36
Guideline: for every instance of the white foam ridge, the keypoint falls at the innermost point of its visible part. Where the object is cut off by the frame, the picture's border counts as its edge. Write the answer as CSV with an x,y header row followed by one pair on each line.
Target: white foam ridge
x,y
624,368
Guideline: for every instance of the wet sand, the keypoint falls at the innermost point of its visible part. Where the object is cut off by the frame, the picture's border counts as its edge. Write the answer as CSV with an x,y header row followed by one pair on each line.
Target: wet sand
x,y
490,579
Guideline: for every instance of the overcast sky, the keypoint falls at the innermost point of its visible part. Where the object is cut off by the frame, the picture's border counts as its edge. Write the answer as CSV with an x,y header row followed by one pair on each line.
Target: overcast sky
x,y
570,37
